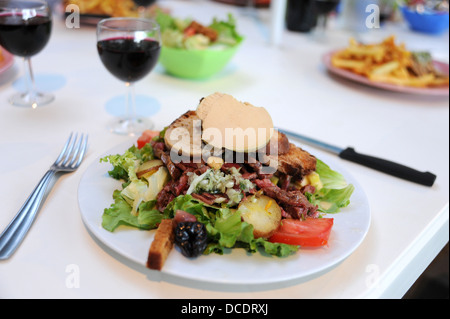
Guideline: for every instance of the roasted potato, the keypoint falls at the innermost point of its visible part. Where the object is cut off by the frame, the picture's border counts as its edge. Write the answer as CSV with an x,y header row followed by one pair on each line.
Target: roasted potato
x,y
263,213
148,168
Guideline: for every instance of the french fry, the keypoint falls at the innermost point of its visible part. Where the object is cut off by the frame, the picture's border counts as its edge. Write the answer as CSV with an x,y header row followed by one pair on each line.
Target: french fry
x,y
349,64
376,52
113,8
385,62
386,68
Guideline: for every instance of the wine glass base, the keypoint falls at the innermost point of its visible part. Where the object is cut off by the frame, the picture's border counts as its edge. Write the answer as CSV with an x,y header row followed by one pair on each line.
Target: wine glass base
x,y
126,126
33,101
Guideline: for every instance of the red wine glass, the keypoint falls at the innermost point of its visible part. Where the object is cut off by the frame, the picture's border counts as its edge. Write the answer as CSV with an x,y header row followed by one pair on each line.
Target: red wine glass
x,y
25,27
129,48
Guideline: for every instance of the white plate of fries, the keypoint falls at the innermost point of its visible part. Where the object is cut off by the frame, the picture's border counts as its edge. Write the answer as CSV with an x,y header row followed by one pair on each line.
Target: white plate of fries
x,y
391,67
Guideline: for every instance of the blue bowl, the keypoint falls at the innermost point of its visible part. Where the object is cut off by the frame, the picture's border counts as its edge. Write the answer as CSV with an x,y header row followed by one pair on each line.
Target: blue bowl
x,y
433,22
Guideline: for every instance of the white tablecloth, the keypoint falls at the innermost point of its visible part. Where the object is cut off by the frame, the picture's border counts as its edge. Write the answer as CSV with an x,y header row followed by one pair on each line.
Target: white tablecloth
x,y
409,222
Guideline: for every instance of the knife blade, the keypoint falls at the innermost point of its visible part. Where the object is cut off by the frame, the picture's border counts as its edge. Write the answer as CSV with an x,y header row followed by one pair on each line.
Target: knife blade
x,y
379,164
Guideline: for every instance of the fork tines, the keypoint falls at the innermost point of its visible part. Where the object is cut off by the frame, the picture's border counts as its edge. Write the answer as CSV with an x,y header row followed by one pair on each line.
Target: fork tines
x,y
73,151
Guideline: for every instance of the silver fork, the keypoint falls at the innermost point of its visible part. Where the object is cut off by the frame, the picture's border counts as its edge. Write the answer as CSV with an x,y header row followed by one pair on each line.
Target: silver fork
x,y
68,161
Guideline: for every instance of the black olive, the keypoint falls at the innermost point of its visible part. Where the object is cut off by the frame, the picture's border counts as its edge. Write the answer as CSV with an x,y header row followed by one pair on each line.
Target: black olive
x,y
191,237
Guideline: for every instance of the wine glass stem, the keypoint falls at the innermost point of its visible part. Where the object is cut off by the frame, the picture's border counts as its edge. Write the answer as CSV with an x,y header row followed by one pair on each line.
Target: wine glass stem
x,y
322,22
141,11
30,83
131,103
249,8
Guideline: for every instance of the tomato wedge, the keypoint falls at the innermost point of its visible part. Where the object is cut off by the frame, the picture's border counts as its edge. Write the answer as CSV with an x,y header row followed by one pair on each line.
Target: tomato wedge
x,y
311,232
189,32
146,137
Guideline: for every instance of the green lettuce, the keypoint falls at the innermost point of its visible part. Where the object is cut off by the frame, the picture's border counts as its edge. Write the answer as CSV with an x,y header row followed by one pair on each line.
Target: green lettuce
x,y
335,192
131,206
119,213
124,165
227,33
225,228
172,32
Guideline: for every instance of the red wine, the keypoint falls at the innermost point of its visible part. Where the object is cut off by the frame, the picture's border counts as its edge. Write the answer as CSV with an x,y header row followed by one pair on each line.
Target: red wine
x,y
24,38
127,59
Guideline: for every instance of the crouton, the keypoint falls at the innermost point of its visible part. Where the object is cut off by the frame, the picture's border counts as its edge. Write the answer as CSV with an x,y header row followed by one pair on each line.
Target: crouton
x,y
162,245
206,31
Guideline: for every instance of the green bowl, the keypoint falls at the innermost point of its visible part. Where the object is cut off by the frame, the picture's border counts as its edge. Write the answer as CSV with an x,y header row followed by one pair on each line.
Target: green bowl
x,y
195,64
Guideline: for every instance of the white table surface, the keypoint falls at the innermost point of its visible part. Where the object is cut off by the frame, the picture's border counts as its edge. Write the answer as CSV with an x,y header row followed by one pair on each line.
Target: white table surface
x,y
409,223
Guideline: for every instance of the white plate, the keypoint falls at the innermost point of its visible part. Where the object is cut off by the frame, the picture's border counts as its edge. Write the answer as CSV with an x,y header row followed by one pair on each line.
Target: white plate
x,y
238,267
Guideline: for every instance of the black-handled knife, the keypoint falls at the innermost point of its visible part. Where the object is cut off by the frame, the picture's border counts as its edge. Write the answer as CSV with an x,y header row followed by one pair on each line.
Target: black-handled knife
x,y
382,165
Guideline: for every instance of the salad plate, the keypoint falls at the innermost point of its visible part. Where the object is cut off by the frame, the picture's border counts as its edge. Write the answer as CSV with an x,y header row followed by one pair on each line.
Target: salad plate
x,y
235,266
349,75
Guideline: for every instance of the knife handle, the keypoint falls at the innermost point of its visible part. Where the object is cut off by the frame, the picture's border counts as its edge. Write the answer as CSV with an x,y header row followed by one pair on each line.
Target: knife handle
x,y
388,167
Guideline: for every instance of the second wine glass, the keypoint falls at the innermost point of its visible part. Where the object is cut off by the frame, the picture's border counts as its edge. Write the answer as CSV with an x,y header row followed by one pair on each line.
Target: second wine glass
x,y
25,27
129,48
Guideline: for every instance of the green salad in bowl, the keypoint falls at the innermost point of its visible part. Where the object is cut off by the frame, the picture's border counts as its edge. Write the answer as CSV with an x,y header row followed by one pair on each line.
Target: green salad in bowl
x,y
193,50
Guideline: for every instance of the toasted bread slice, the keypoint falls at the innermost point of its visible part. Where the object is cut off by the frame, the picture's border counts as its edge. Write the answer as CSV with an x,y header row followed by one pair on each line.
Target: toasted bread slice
x,y
296,162
278,144
162,245
184,135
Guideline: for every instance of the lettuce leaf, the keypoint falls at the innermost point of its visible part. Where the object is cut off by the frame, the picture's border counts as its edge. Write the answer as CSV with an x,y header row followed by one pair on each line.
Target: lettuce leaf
x,y
328,177
119,213
172,32
227,33
335,193
172,38
168,22
128,207
124,165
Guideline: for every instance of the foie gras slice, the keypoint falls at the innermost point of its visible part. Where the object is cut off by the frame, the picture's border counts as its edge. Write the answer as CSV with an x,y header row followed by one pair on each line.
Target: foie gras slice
x,y
234,125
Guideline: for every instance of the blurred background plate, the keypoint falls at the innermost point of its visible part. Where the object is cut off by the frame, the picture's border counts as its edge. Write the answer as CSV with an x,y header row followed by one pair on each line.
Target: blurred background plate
x,y
435,91
6,60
